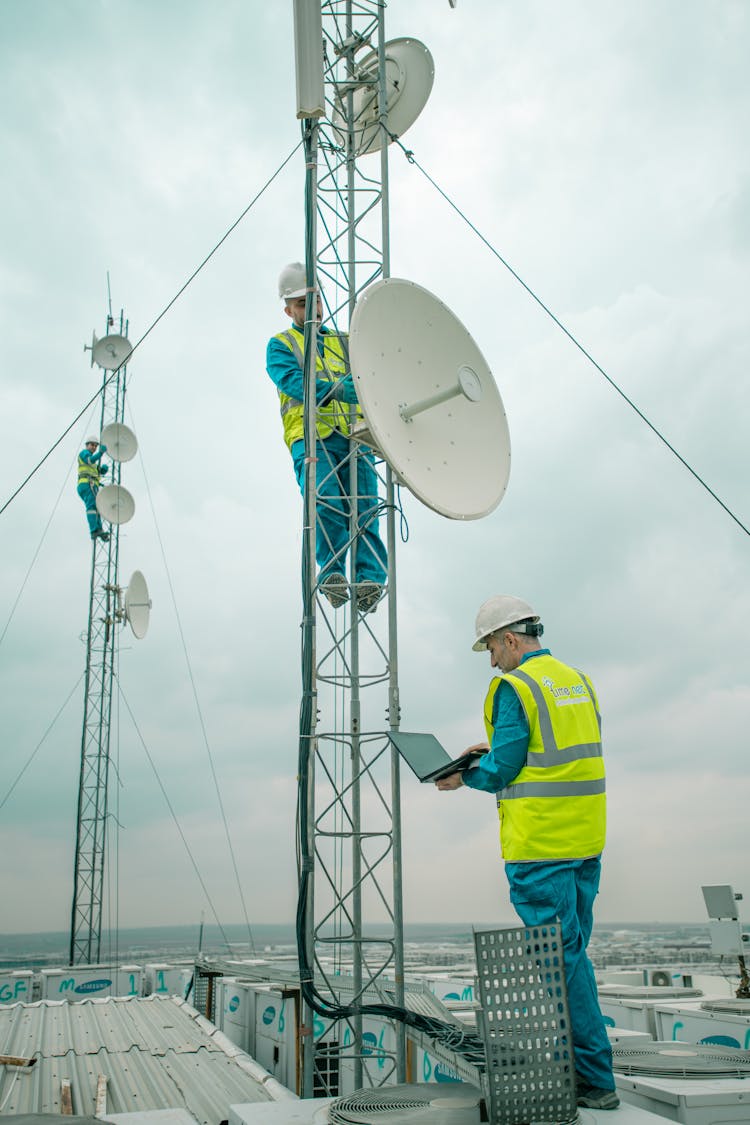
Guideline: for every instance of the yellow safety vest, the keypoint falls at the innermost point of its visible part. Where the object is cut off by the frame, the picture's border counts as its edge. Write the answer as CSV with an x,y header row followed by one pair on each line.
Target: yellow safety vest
x,y
332,366
88,472
556,807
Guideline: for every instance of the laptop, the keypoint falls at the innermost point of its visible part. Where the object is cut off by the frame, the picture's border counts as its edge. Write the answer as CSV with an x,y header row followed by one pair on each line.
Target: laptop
x,y
426,757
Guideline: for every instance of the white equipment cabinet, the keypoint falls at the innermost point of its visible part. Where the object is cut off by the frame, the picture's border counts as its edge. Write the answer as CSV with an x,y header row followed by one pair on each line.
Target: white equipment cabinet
x,y
16,986
718,1101
723,1022
77,982
633,1008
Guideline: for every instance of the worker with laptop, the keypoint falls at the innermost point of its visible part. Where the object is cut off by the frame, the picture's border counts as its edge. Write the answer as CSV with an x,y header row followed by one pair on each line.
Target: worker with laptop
x,y
543,760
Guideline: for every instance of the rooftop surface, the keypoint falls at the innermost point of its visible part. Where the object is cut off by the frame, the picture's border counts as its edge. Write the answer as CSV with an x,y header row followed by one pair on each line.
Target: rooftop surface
x,y
155,1053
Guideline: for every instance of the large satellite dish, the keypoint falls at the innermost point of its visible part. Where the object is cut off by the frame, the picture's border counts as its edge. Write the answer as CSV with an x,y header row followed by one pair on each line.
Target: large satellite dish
x,y
110,352
137,605
120,441
115,504
409,74
429,399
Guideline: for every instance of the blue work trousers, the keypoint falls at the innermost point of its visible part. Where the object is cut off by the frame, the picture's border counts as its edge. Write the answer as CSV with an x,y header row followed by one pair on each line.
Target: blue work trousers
x,y
88,495
334,509
566,889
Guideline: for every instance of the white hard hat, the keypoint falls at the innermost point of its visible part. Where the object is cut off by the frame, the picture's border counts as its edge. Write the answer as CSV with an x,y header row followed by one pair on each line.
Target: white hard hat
x,y
502,610
91,441
293,281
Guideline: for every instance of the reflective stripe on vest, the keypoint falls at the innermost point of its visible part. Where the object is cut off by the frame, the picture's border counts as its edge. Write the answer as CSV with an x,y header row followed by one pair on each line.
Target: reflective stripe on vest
x,y
88,472
553,755
331,366
555,808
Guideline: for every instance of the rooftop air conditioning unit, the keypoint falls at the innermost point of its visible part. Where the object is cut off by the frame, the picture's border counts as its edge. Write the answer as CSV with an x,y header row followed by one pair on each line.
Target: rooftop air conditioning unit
x,y
692,1083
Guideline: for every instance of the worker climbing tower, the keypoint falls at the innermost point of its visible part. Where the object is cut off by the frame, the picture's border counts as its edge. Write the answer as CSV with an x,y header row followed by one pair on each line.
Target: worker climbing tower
x,y
109,606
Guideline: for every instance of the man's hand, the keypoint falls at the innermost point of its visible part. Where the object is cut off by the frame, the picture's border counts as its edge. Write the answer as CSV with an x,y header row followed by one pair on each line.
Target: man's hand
x,y
483,746
345,391
452,781
455,780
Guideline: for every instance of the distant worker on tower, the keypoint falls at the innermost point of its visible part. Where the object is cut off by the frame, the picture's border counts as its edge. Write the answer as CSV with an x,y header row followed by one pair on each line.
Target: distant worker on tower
x,y
335,394
544,764
90,472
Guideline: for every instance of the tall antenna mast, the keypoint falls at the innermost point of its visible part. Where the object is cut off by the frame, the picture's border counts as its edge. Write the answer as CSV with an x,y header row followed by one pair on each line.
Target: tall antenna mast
x,y
350,916
106,611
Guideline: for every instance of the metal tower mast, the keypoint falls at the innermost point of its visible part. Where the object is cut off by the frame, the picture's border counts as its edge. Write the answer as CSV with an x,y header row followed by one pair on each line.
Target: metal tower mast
x,y
90,857
350,914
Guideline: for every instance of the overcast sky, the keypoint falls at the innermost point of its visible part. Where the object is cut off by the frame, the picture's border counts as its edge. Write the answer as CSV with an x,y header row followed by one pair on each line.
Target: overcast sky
x,y
601,147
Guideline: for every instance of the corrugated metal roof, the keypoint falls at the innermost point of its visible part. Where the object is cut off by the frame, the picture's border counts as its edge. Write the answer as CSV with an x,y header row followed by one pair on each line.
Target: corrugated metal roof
x,y
156,1053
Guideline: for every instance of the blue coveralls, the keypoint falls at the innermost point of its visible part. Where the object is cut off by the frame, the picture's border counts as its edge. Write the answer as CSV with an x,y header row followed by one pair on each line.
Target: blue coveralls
x,y
88,494
333,481
545,890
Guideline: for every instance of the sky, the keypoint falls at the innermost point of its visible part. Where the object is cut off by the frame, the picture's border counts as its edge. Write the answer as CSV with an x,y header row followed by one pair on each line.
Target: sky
x,y
599,148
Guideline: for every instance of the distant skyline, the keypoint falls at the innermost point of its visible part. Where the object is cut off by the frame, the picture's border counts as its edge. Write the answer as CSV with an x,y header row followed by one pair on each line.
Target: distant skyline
x,y
598,147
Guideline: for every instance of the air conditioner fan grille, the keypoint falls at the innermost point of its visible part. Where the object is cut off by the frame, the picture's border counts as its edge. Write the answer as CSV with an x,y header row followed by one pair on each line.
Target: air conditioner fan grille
x,y
738,1007
683,1060
647,992
368,1105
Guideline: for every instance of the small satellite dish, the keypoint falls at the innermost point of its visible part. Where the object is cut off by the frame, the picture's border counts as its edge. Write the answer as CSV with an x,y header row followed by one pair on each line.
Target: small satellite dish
x,y
429,400
110,352
409,74
120,441
115,504
137,605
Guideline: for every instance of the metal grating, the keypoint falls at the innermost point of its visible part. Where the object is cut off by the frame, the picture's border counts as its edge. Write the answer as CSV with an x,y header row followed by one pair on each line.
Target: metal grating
x,y
526,1025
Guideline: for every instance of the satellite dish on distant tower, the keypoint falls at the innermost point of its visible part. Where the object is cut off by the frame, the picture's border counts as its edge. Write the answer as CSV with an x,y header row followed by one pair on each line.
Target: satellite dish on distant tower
x,y
115,504
110,352
409,74
137,605
120,441
429,399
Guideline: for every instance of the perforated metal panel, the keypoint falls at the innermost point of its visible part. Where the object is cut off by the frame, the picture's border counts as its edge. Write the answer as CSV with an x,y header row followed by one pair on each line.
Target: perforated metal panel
x,y
526,1025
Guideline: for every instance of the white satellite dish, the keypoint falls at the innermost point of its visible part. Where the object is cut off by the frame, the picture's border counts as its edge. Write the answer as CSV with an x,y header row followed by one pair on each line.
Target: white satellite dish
x,y
429,400
137,605
120,441
115,504
110,352
409,74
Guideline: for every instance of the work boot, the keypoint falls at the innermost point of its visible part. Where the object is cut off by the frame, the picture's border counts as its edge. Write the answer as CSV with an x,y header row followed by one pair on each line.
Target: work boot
x,y
368,596
336,589
591,1098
